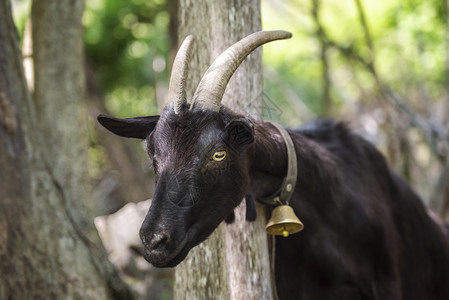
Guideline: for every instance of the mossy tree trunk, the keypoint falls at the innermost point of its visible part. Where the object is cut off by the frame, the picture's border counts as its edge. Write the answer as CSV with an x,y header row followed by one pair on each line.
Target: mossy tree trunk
x,y
49,248
233,262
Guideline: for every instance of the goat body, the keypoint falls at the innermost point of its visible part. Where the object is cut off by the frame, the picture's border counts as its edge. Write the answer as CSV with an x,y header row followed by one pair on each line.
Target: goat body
x,y
367,235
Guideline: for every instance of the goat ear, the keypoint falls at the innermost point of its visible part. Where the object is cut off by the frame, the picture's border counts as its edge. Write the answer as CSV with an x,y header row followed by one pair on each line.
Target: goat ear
x,y
138,127
240,132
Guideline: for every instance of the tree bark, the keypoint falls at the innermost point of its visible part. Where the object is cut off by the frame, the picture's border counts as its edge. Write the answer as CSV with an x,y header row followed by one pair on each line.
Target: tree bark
x,y
48,246
233,263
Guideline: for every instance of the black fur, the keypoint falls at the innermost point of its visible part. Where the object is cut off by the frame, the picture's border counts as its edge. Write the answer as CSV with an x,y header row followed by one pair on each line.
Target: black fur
x,y
251,213
367,235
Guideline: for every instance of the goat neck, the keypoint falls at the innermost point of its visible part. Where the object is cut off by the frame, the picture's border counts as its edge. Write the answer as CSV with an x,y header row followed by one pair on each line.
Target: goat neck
x,y
268,162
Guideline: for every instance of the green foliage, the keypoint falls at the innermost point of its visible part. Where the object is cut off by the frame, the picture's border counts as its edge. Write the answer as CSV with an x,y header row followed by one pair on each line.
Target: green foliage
x,y
408,39
21,9
127,45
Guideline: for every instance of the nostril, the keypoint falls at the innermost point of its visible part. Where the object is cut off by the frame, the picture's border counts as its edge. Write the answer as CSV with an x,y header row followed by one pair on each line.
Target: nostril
x,y
158,240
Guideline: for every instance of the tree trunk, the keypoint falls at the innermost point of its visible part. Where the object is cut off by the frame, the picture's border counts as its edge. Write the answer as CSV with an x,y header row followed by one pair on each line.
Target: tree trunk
x,y
233,263
48,247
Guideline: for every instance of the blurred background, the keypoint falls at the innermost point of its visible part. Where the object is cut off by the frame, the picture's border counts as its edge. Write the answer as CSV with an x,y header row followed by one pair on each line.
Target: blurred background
x,y
380,66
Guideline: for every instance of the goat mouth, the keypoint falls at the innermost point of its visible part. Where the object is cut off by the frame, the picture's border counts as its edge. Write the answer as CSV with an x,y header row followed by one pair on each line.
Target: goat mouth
x,y
168,261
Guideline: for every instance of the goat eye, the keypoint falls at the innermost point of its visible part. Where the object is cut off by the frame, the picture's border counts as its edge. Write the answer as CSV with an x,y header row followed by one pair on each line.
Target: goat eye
x,y
219,156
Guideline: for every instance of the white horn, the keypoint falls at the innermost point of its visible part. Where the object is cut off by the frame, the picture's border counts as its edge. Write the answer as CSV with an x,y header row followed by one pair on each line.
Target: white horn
x,y
212,86
176,89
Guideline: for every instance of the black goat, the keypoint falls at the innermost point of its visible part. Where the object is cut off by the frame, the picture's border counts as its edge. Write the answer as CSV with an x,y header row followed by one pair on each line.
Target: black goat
x,y
367,235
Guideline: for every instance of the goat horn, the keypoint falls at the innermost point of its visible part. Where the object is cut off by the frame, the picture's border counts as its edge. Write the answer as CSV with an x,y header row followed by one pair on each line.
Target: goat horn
x,y
212,86
176,88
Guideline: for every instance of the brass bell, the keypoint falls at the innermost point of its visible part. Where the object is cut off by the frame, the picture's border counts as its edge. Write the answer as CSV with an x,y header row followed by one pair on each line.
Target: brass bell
x,y
283,221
